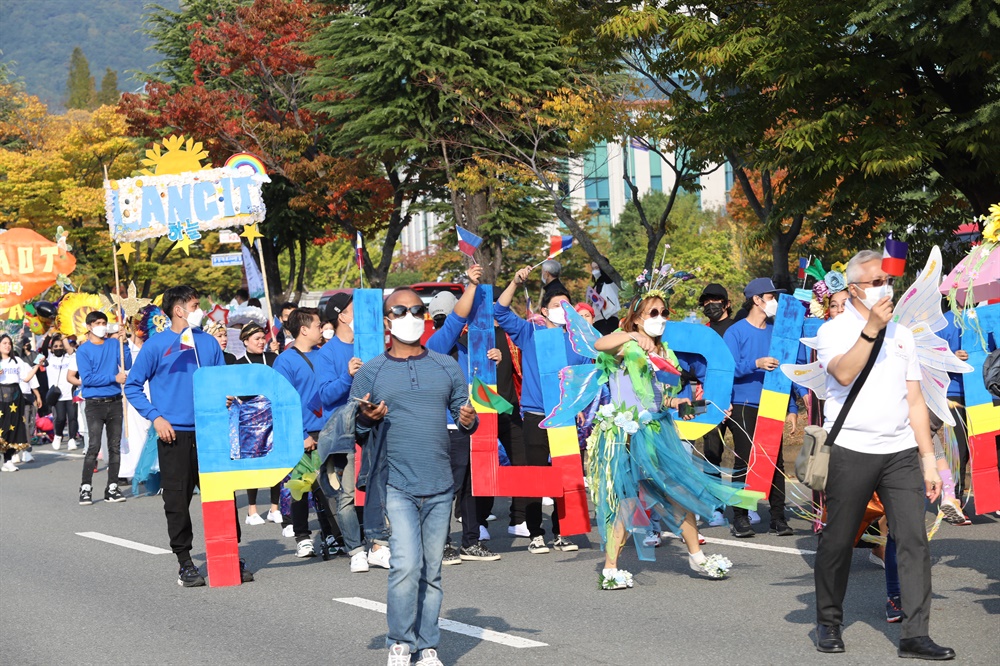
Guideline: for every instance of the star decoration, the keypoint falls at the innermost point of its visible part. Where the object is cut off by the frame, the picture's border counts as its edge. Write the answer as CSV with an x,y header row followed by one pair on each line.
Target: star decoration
x,y
125,250
130,305
250,233
185,244
13,408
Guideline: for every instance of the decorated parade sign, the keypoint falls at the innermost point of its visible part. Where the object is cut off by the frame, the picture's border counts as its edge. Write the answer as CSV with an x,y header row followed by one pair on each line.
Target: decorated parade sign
x,y
220,474
982,413
29,265
180,197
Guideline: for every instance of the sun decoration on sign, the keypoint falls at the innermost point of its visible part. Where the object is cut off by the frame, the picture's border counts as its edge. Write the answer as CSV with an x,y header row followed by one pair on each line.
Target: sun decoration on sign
x,y
175,156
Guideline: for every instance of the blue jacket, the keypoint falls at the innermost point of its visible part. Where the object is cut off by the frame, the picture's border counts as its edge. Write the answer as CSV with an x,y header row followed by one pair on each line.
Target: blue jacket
x,y
373,478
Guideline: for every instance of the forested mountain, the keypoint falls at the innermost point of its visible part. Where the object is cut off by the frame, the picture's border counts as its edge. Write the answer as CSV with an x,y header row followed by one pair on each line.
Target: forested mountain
x,y
39,37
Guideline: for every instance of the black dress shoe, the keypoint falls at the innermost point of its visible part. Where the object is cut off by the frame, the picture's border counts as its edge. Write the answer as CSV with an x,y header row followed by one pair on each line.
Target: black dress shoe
x,y
922,647
828,638
741,527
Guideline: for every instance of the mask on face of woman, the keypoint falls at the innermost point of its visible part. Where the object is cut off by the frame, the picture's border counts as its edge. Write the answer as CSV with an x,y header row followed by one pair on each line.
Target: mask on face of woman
x,y
714,311
654,326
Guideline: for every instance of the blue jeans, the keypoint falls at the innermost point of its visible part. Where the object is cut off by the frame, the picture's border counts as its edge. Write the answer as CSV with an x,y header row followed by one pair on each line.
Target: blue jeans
x,y
419,527
347,516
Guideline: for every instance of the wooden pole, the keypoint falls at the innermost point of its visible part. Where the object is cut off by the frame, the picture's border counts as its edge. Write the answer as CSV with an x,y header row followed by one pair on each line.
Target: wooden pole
x,y
118,314
263,272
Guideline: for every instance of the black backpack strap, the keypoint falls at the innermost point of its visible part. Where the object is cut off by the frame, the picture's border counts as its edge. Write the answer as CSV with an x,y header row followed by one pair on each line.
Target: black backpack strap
x,y
858,383
305,358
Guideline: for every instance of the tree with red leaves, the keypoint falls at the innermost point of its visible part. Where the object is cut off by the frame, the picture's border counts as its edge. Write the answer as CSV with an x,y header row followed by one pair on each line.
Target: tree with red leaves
x,y
232,77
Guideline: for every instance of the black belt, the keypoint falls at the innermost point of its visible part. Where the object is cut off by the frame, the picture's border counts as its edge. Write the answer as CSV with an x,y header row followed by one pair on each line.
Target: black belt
x,y
111,399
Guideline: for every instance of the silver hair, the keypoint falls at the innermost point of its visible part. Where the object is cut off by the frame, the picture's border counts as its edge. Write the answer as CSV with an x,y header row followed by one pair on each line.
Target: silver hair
x,y
853,270
552,267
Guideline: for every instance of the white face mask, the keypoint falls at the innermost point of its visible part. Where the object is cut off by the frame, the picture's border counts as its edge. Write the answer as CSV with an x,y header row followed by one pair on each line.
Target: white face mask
x,y
99,331
596,273
771,307
194,318
407,329
350,325
557,316
327,334
874,294
654,326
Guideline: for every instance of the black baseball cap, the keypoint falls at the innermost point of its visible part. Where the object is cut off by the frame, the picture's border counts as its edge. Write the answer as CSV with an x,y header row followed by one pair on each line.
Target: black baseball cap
x,y
713,291
337,304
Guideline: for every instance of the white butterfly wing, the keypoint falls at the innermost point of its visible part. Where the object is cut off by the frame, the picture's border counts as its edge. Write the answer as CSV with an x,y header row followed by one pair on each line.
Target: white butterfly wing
x,y
812,343
921,303
934,386
811,376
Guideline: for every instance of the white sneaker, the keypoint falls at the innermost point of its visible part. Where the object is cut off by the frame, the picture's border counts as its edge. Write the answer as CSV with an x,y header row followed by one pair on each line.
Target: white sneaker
x,y
717,520
484,534
8,467
652,539
254,519
305,548
754,517
71,445
359,562
288,531
547,501
274,517
380,557
490,518
27,457
429,657
16,458
521,530
56,443
537,546
399,655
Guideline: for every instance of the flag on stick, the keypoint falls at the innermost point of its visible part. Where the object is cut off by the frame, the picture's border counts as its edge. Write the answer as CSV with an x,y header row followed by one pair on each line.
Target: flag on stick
x,y
468,242
803,264
358,256
894,256
559,244
484,396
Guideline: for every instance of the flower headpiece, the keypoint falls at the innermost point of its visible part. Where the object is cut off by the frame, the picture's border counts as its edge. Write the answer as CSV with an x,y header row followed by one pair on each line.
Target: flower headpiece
x,y
832,283
659,283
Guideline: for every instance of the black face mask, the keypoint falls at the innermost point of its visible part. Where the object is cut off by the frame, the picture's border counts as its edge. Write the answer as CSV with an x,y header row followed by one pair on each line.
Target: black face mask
x,y
58,352
714,311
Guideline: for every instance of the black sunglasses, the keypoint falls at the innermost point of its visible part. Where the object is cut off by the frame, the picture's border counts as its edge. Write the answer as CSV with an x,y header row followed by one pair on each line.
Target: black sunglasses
x,y
400,310
877,282
655,312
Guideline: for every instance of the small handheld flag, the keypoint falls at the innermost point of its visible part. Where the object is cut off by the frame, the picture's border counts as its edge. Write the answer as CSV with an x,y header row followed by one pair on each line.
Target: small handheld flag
x,y
559,244
894,256
484,396
358,256
803,264
468,242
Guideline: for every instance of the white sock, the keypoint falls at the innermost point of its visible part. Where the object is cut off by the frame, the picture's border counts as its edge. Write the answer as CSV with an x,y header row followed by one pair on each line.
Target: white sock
x,y
610,573
698,557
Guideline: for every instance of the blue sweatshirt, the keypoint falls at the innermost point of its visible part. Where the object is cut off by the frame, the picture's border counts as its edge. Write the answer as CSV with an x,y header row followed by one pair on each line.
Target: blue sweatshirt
x,y
749,343
293,366
953,337
97,366
417,391
522,333
331,361
445,339
170,373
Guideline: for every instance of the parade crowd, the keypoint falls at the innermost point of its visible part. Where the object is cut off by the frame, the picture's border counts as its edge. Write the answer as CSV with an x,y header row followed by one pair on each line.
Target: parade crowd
x,y
410,411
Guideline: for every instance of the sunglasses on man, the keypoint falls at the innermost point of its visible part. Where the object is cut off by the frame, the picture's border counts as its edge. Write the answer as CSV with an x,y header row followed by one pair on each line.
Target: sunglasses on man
x,y
401,310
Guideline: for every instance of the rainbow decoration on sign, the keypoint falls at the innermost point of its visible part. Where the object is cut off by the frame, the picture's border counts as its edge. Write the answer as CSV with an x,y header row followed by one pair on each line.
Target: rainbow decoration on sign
x,y
774,398
982,415
246,159
219,475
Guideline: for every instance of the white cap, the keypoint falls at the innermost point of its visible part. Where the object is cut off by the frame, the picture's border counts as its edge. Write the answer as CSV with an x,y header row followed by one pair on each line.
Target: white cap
x,y
442,304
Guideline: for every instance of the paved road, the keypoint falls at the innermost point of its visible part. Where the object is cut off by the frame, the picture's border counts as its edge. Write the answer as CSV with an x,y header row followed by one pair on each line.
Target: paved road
x,y
65,599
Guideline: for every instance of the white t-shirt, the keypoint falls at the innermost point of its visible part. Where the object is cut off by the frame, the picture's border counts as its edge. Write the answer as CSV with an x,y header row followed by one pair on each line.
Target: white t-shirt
x,y
12,369
879,420
58,370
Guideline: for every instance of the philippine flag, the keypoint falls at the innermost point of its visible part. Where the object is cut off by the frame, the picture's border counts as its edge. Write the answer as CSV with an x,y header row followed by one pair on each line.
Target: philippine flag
x,y
559,244
468,242
803,264
894,256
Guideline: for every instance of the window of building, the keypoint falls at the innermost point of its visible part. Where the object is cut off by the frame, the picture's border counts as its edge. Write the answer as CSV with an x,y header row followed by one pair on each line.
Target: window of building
x,y
597,188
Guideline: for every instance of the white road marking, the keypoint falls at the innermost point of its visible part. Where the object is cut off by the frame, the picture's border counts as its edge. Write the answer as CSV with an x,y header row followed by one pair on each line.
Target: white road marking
x,y
134,545
756,546
454,627
64,454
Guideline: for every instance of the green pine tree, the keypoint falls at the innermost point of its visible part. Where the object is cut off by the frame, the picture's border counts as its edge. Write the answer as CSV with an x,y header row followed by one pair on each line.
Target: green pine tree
x,y
109,88
79,85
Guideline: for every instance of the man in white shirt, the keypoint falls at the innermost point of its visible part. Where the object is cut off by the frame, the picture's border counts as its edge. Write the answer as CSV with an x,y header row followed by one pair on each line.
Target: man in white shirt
x,y
61,363
876,450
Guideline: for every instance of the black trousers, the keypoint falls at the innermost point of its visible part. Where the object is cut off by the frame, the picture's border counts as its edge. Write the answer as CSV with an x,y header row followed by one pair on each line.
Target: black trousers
x,y
65,410
179,478
743,422
252,495
536,453
101,415
900,485
510,432
461,472
714,443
